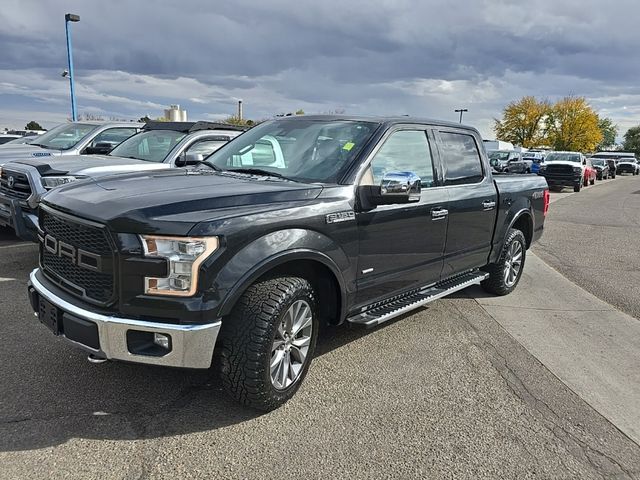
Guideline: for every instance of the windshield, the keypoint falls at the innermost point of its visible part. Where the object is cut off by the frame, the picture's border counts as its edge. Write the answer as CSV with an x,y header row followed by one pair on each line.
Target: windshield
x,y
563,157
65,136
599,161
627,159
499,156
300,149
151,145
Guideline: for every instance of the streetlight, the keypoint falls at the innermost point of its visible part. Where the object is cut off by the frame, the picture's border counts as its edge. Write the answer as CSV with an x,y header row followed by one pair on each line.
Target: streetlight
x,y
70,17
461,111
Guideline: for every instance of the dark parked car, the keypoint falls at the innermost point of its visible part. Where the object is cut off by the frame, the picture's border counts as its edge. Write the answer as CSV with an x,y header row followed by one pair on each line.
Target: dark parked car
x,y
601,167
509,161
297,222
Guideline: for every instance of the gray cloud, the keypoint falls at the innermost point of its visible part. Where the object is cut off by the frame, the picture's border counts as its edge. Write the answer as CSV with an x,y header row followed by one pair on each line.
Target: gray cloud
x,y
375,56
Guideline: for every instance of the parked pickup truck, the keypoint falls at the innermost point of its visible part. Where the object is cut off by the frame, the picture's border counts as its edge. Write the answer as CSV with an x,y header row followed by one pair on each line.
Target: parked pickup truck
x,y
158,145
73,138
299,221
567,169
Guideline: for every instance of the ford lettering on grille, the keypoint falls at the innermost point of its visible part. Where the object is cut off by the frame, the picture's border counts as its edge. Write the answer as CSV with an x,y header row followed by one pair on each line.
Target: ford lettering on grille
x,y
77,256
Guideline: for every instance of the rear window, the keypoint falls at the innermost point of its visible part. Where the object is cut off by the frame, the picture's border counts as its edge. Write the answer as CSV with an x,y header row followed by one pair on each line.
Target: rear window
x,y
460,152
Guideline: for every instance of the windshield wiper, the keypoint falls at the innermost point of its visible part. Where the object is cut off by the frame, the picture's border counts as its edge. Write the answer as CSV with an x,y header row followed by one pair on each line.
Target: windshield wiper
x,y
215,168
258,171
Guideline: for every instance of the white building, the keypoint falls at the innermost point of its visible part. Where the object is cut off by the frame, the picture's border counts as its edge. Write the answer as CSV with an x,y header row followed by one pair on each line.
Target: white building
x,y
175,114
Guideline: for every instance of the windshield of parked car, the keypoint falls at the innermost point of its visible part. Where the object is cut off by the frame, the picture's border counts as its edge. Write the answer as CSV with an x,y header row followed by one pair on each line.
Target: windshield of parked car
x,y
498,156
627,159
65,136
563,157
300,149
599,161
150,145
22,140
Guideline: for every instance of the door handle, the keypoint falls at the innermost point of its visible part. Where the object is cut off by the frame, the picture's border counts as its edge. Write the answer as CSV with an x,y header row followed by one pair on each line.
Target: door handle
x,y
488,204
439,213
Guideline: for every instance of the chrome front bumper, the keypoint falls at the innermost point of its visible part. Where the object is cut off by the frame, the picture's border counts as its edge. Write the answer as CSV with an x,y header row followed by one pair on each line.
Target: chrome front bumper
x,y
191,345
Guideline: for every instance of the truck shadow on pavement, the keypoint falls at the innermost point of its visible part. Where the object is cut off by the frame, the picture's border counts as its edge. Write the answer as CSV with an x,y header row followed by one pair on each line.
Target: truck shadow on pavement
x,y
61,396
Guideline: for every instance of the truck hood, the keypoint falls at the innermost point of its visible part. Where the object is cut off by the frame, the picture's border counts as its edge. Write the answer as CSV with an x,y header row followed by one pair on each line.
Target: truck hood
x,y
173,201
92,166
9,154
562,162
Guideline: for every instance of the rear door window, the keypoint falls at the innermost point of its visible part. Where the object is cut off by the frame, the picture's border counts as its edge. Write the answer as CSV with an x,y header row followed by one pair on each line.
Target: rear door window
x,y
462,158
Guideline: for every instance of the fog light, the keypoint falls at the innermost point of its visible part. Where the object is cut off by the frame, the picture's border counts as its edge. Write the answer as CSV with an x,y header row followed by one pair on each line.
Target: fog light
x,y
162,340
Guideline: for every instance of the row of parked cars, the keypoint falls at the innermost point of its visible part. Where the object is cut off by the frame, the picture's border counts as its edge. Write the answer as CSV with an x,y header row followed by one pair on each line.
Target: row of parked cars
x,y
566,169
91,150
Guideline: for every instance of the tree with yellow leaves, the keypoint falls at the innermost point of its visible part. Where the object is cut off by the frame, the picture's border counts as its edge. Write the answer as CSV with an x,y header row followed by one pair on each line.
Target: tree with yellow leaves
x,y
523,122
573,125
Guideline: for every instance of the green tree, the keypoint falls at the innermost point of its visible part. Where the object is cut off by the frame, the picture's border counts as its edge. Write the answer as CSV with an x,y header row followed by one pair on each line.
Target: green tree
x,y
300,112
522,122
235,120
33,126
573,125
632,140
609,133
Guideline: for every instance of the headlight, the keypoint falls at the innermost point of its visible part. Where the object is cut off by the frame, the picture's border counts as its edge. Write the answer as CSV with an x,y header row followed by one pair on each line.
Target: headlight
x,y
542,168
184,256
577,169
53,182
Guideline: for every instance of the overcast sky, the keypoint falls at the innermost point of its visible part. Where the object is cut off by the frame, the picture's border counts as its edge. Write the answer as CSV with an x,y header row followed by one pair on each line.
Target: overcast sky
x,y
419,57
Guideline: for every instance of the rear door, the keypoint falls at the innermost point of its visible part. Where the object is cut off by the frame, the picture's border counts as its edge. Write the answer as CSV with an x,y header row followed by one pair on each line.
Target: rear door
x,y
401,245
472,201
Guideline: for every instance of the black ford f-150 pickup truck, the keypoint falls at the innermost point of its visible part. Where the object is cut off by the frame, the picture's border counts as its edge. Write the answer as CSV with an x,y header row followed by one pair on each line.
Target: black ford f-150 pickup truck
x,y
297,222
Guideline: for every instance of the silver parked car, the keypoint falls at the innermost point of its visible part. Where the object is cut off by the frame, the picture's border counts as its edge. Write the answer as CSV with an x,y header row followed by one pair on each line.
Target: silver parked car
x,y
73,138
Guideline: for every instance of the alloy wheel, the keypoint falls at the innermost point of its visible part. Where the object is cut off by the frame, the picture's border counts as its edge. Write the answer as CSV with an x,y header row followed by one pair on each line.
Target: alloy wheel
x,y
291,344
513,263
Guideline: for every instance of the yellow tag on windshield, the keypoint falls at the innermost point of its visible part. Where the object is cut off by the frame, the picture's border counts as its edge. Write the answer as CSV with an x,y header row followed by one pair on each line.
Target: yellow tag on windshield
x,y
348,146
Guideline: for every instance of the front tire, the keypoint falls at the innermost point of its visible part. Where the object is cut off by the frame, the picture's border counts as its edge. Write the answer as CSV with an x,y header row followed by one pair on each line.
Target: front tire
x,y
267,343
592,181
576,188
505,274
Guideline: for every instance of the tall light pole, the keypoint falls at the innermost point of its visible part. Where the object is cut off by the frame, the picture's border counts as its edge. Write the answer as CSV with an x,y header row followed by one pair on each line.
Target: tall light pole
x,y
461,110
70,17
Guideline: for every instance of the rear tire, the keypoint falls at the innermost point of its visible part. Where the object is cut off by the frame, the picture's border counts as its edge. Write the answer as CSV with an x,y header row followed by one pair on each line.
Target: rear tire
x,y
267,343
592,181
505,274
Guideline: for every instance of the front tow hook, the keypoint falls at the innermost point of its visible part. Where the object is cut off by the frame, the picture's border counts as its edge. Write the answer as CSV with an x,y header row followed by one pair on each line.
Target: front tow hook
x,y
97,360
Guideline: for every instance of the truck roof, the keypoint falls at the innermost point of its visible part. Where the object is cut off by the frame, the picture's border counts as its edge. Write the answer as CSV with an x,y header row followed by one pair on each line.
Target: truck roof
x,y
190,127
386,120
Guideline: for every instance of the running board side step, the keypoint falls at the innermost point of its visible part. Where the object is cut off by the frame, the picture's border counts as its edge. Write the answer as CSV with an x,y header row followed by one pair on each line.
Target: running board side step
x,y
381,312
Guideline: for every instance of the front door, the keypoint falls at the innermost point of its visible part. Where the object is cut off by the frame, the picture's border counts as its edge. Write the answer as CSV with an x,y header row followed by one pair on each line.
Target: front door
x,y
401,245
472,203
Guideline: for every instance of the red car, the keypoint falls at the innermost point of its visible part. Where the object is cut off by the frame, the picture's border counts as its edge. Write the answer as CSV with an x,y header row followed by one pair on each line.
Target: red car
x,y
590,173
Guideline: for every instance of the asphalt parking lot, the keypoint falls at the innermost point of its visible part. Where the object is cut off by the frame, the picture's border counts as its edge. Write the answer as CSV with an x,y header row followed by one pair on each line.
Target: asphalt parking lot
x,y
447,392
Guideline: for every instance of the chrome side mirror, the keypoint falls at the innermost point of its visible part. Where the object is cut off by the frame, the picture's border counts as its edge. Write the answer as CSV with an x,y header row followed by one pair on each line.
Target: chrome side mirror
x,y
401,187
189,159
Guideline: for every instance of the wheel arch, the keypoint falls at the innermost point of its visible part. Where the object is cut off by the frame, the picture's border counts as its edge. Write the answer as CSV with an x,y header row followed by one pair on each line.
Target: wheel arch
x,y
313,265
523,221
